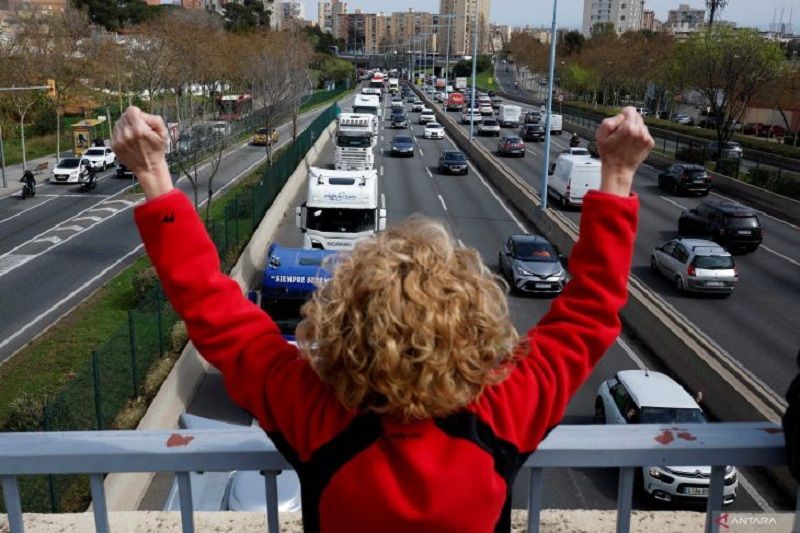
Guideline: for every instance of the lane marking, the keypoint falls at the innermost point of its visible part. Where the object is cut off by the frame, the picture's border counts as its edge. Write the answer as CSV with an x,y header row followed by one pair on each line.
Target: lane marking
x,y
68,297
10,262
759,212
112,210
54,239
530,151
383,201
381,169
673,202
92,218
496,197
444,206
28,209
420,152
74,227
770,250
751,490
629,351
461,243
430,174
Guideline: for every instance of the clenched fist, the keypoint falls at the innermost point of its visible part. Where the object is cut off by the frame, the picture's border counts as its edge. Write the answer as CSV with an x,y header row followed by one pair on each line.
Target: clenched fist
x,y
624,143
139,140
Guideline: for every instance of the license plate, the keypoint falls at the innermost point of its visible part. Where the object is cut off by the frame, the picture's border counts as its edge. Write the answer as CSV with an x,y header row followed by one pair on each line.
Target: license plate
x,y
696,491
713,284
541,285
743,232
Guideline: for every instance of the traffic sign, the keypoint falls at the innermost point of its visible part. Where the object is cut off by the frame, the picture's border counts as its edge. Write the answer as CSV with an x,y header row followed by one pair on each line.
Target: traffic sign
x,y
491,80
560,98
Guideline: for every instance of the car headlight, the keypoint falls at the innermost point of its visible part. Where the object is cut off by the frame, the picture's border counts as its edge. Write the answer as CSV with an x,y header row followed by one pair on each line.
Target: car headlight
x,y
523,272
729,470
656,473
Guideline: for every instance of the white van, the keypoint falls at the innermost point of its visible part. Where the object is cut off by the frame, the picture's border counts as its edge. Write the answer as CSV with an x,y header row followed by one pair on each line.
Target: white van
x,y
509,116
571,177
556,124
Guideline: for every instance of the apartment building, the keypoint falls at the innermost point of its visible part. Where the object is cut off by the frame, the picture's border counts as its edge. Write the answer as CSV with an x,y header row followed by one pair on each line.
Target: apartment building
x,y
324,16
685,19
458,16
363,33
622,15
411,28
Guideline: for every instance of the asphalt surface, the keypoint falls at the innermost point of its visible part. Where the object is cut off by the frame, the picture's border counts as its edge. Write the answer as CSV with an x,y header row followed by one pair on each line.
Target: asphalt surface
x,y
479,218
62,245
758,325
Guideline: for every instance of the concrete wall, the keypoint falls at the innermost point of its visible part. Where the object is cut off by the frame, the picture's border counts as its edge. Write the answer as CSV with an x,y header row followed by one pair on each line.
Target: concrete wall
x,y
124,492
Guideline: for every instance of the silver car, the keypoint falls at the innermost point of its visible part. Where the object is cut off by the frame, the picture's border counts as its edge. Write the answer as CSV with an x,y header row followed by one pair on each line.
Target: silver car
x,y
645,397
695,265
530,264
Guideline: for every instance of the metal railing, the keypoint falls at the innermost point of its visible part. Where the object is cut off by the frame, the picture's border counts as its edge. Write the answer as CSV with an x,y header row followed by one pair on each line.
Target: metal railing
x,y
626,447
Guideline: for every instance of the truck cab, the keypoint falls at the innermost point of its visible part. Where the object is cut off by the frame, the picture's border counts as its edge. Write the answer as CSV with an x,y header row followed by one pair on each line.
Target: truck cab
x,y
341,208
356,136
367,103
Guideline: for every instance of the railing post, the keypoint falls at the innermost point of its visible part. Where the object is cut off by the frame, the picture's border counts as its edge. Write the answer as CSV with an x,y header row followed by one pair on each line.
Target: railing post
x,y
99,506
535,499
714,504
624,498
13,504
98,408
187,507
51,489
160,317
271,485
132,350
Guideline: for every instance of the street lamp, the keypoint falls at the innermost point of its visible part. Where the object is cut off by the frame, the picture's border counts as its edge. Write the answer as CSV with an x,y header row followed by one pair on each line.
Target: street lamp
x,y
549,103
474,75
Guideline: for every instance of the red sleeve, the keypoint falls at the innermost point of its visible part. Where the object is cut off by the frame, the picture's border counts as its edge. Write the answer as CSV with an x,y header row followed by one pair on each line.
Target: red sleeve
x,y
571,338
262,372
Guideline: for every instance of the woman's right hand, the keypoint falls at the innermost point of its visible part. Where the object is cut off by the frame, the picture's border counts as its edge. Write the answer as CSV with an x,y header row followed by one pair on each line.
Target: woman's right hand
x,y
139,141
624,142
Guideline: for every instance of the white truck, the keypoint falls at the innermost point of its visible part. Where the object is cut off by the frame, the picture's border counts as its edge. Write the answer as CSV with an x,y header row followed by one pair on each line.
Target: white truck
x,y
356,136
367,103
341,208
556,124
509,116
394,85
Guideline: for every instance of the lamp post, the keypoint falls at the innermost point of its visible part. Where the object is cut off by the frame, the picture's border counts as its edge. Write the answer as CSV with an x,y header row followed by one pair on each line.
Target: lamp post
x,y
474,75
549,103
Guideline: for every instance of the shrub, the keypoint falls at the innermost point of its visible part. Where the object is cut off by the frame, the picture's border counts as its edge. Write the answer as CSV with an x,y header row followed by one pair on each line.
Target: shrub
x,y
144,283
178,337
26,413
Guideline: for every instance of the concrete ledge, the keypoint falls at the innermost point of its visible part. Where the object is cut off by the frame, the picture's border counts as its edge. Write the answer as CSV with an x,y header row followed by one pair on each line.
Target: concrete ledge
x,y
124,492
551,521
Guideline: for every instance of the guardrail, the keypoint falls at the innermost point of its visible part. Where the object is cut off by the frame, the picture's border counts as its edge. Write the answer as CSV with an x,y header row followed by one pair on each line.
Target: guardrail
x,y
627,447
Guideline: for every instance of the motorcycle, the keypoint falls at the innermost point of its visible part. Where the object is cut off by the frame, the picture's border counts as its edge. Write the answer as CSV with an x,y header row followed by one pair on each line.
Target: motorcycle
x,y
29,185
87,182
575,141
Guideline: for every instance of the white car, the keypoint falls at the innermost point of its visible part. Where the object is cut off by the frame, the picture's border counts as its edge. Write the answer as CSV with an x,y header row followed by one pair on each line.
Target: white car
x,y
486,110
417,106
71,170
397,105
476,116
433,130
100,158
489,126
426,116
441,96
644,397
484,100
577,151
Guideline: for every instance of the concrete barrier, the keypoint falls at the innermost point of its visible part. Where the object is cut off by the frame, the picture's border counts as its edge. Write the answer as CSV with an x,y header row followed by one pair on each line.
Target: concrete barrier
x,y
124,492
729,391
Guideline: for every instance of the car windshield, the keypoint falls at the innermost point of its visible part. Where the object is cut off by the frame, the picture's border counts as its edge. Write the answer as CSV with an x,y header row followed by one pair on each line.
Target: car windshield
x,y
341,220
95,151
670,415
540,252
454,156
261,131
402,140
490,122
347,141
433,126
743,222
713,262
69,163
513,140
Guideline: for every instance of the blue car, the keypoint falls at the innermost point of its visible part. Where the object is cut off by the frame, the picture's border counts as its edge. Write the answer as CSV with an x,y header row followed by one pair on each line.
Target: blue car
x,y
403,145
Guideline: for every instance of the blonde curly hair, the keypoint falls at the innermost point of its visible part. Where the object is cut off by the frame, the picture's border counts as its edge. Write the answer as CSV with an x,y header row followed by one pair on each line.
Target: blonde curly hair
x,y
410,325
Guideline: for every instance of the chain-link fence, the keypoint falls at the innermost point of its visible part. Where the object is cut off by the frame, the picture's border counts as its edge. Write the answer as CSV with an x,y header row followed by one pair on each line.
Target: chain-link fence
x,y
102,394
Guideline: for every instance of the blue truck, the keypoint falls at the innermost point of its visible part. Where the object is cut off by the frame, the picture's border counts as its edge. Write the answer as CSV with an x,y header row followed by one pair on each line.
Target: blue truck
x,y
290,276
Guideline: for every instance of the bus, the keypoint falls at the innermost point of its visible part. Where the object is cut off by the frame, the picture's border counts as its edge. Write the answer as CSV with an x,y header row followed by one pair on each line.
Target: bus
x,y
233,106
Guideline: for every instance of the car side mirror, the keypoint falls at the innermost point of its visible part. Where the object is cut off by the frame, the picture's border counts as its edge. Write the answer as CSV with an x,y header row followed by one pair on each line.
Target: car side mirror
x,y
551,170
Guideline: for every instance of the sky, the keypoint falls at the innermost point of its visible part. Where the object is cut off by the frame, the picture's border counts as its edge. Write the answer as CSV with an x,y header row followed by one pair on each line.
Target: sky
x,y
570,12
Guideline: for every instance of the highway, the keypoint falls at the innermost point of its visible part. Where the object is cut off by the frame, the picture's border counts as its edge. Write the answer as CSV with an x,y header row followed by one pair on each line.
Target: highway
x,y
479,218
758,325
62,245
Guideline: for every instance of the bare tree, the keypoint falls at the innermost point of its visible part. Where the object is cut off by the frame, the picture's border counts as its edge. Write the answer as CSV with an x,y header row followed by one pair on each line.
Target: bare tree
x,y
713,6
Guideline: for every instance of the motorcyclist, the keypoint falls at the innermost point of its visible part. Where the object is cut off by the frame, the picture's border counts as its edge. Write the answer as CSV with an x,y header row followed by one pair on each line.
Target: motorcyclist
x,y
99,142
30,182
574,141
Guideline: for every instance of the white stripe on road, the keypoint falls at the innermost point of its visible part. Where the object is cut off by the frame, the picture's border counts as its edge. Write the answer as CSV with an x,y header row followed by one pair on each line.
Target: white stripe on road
x,y
628,350
26,210
92,218
420,152
673,202
444,206
381,170
383,201
430,174
67,298
770,250
751,490
10,262
461,243
760,212
74,227
54,239
531,151
499,201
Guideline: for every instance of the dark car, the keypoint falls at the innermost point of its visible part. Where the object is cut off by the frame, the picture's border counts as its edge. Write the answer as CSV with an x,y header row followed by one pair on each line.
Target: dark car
x,y
533,117
731,224
685,179
399,120
511,145
491,94
403,145
530,264
123,171
531,132
452,162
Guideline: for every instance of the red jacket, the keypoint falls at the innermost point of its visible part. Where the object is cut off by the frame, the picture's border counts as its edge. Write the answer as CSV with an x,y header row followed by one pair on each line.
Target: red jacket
x,y
364,472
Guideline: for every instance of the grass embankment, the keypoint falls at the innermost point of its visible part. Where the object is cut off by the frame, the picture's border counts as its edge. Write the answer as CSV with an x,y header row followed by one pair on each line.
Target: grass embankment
x,y
482,81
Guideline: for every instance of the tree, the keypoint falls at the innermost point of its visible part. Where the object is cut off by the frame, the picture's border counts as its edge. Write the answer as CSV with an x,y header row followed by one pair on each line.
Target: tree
x,y
572,43
247,16
713,6
728,67
113,16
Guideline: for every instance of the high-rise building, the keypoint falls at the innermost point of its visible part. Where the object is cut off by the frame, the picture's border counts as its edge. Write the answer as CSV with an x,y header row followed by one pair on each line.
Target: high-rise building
x,y
324,16
363,33
337,10
685,19
622,15
286,14
411,27
457,19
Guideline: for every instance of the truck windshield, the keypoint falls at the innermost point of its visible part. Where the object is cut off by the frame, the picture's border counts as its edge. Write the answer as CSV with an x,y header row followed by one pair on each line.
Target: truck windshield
x,y
347,141
363,109
341,220
285,312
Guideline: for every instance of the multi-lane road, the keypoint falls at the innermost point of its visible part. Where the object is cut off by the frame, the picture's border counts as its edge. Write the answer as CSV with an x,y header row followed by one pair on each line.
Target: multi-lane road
x,y
480,218
61,245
